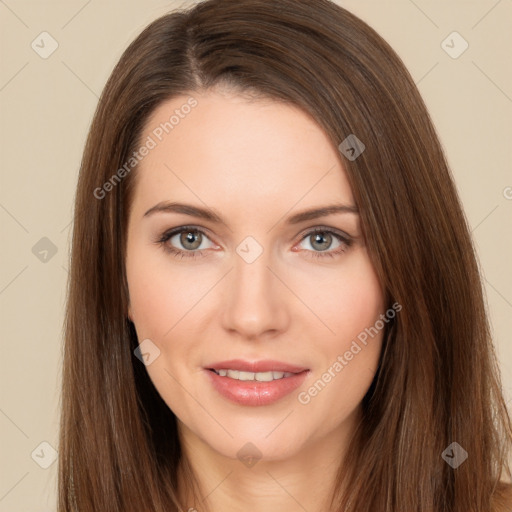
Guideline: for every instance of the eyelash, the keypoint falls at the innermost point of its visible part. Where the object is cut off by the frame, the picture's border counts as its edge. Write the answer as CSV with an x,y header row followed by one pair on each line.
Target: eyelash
x,y
345,240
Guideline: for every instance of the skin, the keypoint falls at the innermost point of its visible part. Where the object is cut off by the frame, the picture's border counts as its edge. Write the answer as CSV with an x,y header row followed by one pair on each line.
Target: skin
x,y
255,163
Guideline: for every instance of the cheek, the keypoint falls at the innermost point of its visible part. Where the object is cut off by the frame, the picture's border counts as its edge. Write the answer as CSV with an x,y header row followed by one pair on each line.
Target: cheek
x,y
159,297
352,306
353,300
149,299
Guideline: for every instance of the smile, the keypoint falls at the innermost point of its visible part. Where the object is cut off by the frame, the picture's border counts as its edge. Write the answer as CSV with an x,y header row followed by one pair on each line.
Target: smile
x,y
255,383
259,376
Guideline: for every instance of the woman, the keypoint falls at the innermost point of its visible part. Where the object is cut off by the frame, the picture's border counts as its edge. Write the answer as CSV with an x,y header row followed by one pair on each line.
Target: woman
x,y
274,300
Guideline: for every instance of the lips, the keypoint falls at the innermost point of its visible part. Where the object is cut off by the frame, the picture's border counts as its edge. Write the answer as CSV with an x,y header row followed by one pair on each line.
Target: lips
x,y
256,366
256,388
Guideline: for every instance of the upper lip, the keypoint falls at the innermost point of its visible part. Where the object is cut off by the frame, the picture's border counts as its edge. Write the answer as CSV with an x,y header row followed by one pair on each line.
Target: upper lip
x,y
266,365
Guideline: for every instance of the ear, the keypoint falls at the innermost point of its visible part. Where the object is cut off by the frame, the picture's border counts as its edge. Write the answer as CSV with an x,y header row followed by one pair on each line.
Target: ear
x,y
130,313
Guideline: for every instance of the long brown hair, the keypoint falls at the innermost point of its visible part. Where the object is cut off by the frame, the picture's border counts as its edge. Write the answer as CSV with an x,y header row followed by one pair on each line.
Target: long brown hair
x,y
438,381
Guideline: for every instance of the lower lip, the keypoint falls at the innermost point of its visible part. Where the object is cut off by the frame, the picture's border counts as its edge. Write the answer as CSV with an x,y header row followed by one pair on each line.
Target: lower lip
x,y
253,392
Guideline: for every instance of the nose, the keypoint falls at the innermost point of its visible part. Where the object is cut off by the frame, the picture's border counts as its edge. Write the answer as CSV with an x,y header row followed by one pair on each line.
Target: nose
x,y
255,305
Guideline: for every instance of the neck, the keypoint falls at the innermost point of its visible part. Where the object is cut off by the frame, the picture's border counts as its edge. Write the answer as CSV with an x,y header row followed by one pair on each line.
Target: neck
x,y
304,481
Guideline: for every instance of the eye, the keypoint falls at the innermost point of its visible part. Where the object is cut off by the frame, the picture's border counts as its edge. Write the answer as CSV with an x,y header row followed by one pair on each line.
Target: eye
x,y
188,237
187,242
321,239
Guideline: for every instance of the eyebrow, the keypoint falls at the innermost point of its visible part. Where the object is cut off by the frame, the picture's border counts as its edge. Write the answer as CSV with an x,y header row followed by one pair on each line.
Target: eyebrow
x,y
207,214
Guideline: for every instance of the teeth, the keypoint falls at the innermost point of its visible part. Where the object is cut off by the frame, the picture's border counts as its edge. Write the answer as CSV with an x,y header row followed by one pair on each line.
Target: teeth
x,y
259,376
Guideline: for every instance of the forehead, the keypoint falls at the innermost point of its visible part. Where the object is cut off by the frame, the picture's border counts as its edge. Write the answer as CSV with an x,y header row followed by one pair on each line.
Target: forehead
x,y
229,150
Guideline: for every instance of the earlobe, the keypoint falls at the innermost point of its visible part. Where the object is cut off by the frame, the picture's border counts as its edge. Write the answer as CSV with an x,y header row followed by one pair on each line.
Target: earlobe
x,y
130,314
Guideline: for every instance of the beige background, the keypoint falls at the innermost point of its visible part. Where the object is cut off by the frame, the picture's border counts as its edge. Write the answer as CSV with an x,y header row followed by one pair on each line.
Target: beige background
x,y
47,105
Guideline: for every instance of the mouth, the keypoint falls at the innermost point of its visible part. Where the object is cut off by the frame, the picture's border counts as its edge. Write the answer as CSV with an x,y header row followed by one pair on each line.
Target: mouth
x,y
255,383
246,376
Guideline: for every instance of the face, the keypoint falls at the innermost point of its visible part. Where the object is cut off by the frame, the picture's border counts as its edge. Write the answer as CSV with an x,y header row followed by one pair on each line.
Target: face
x,y
236,279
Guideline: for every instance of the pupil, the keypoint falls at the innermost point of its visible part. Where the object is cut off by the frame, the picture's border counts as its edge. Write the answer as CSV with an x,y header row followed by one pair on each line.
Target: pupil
x,y
318,239
190,238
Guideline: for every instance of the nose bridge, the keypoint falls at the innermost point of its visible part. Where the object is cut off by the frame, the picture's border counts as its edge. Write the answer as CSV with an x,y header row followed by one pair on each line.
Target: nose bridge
x,y
252,279
254,303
